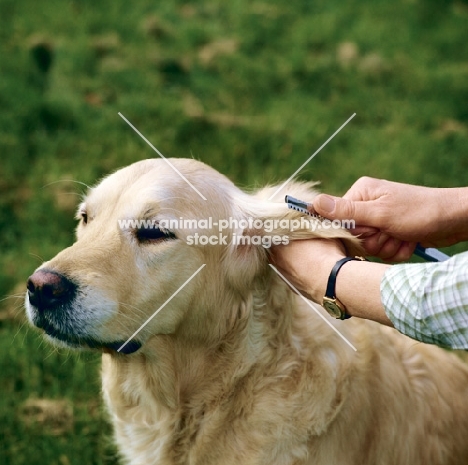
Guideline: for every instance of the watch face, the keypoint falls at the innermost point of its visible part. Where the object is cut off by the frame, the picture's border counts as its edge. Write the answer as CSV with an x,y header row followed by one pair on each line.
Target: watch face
x,y
332,308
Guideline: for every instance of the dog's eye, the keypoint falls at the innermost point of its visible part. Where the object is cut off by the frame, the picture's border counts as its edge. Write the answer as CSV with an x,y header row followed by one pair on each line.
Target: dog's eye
x,y
82,214
153,235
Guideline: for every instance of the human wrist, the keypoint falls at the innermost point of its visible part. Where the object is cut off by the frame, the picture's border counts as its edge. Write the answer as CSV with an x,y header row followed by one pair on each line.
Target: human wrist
x,y
318,283
358,289
330,301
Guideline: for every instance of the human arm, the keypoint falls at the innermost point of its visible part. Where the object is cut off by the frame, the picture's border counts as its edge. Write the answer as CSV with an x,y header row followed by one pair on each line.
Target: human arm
x,y
307,265
427,301
391,218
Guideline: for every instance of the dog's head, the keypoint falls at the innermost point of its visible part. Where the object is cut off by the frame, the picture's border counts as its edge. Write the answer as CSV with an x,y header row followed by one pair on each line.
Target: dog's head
x,y
143,234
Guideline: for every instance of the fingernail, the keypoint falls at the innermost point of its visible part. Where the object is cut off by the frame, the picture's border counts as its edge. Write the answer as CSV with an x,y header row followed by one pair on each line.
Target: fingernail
x,y
325,203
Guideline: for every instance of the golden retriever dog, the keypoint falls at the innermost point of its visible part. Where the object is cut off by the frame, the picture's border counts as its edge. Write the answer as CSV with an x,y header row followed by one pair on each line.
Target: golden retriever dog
x,y
210,358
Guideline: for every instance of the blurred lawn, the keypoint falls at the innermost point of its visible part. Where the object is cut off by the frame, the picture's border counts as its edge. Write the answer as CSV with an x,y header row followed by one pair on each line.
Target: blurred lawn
x,y
251,88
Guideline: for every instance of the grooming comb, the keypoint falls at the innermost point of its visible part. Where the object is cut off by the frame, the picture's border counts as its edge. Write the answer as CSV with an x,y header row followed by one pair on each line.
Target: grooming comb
x,y
429,254
301,206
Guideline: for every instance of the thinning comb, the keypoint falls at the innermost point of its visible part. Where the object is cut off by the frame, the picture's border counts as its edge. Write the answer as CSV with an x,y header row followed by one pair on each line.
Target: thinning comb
x,y
301,206
429,254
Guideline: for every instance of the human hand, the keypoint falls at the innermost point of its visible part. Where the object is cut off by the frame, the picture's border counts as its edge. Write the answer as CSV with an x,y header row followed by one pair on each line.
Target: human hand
x,y
307,264
391,218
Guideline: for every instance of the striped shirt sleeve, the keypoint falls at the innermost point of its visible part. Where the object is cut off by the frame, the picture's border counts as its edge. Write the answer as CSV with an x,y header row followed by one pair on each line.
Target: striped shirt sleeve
x,y
429,301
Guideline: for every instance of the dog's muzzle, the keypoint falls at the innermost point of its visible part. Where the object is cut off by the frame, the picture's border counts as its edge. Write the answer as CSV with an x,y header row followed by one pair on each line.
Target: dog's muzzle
x,y
48,290
51,296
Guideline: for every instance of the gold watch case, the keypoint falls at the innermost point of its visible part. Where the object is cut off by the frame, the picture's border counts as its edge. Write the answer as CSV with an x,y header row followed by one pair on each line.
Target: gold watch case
x,y
334,307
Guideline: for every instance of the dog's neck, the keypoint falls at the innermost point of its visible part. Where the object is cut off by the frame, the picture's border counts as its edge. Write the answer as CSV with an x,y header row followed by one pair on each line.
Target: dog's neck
x,y
179,368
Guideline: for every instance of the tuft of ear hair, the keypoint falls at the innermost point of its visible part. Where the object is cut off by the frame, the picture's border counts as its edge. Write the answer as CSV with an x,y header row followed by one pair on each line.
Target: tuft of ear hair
x,y
280,225
301,226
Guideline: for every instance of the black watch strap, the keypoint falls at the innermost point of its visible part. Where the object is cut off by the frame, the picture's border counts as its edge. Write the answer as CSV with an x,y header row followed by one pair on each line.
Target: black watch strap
x,y
331,285
330,292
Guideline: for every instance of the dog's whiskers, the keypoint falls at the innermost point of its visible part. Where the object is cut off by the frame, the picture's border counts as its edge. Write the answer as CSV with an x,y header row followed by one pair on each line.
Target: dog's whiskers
x,y
12,296
37,256
65,180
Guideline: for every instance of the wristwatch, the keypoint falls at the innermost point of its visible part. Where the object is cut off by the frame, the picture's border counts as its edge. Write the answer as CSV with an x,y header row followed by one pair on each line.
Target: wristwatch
x,y
330,303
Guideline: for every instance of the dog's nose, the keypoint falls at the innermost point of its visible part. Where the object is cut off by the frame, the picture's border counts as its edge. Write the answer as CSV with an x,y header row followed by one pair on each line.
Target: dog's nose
x,y
48,289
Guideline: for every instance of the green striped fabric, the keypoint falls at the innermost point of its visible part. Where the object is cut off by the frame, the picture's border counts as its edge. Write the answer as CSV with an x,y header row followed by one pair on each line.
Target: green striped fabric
x,y
429,301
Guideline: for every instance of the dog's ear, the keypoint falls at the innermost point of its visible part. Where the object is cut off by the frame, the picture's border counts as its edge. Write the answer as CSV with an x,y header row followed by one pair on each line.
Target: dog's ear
x,y
245,256
265,223
291,225
282,225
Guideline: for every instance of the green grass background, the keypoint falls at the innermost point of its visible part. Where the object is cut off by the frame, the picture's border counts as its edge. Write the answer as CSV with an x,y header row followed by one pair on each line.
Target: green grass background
x,y
252,88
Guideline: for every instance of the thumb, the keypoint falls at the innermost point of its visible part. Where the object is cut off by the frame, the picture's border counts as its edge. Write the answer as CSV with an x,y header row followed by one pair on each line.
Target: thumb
x,y
341,209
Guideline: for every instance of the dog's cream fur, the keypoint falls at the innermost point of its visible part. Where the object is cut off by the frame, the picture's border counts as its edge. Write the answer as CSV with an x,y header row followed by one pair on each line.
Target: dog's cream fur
x,y
236,369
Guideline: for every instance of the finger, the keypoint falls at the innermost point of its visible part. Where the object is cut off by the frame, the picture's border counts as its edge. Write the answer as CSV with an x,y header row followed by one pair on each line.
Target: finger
x,y
344,209
363,231
371,250
404,253
373,244
389,249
